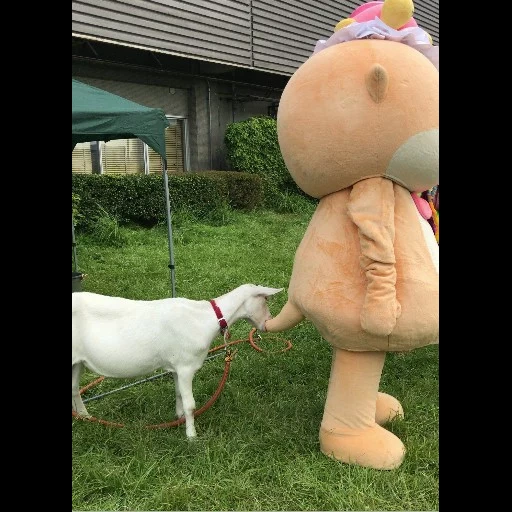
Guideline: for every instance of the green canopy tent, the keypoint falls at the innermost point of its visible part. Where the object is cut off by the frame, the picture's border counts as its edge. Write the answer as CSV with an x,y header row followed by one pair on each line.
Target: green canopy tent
x,y
101,115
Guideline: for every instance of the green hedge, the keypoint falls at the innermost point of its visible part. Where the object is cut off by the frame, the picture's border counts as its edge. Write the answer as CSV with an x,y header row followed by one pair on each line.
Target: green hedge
x,y
141,199
252,146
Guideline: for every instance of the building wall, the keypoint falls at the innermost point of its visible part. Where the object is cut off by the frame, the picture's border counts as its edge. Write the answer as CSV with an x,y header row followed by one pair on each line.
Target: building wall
x,y
426,14
257,34
285,32
207,104
207,39
173,100
176,96
216,30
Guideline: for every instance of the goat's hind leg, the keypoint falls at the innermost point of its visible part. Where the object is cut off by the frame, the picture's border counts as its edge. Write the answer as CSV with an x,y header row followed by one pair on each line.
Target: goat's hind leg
x,y
77,403
184,378
179,402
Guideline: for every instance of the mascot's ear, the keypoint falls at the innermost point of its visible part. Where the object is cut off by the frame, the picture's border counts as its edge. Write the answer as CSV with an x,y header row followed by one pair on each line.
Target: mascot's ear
x,y
377,81
371,207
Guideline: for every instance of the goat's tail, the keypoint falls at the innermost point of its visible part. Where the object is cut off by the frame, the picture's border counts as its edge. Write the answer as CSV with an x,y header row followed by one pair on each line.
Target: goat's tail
x,y
287,318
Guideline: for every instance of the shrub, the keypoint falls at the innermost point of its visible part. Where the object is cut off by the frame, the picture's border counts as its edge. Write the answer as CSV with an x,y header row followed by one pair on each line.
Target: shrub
x,y
290,202
105,230
140,199
244,190
75,209
252,147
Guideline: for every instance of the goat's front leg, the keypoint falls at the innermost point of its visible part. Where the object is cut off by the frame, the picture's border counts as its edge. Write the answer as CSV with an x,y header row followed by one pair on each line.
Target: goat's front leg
x,y
179,402
184,378
77,404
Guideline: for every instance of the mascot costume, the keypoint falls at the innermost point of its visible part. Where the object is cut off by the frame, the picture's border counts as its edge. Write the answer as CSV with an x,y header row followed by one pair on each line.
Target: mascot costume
x,y
358,128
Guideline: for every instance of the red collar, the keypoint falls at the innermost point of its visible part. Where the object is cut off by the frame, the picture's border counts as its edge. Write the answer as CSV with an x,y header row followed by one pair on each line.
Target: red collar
x,y
222,321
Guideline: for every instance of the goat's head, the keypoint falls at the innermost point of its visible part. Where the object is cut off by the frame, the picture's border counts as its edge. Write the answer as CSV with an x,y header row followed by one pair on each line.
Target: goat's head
x,y
256,307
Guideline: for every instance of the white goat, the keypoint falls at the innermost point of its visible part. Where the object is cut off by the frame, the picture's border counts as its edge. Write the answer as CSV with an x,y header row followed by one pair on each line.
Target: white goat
x,y
123,338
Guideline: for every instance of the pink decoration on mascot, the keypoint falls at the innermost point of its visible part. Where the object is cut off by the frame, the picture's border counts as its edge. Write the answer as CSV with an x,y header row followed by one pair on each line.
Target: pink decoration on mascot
x,y
391,20
372,10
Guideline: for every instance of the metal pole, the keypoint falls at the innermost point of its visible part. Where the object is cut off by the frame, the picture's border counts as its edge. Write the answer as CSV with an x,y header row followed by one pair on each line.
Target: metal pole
x,y
169,225
73,243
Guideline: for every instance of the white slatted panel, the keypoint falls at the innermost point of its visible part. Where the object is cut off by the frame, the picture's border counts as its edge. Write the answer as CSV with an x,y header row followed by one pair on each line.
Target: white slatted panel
x,y
173,150
123,156
81,158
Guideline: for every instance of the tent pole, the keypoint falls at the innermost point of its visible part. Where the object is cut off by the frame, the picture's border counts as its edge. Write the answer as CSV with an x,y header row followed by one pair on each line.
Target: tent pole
x,y
169,225
73,243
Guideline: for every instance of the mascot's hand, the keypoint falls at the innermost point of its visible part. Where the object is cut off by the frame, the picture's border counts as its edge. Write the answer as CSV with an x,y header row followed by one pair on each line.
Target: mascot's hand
x,y
379,316
371,207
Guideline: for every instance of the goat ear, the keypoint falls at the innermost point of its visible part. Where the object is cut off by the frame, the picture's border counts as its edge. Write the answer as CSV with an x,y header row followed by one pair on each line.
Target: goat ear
x,y
270,291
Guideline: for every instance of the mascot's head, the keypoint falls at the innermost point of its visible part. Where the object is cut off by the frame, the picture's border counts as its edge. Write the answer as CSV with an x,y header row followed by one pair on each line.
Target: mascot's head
x,y
365,104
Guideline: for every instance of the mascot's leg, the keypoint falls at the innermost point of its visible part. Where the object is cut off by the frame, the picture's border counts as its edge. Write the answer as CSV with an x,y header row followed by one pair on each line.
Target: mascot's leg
x,y
349,432
388,409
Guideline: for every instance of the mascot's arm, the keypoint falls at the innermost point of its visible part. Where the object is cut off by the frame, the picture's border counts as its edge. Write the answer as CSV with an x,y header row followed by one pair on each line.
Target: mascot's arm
x,y
287,318
372,209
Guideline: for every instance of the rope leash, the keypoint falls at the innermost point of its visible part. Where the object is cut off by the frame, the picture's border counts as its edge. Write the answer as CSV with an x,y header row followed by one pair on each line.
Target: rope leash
x,y
227,360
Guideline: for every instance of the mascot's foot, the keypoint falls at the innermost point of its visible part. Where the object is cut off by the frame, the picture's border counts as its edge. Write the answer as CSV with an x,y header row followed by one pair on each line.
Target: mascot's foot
x,y
372,447
388,409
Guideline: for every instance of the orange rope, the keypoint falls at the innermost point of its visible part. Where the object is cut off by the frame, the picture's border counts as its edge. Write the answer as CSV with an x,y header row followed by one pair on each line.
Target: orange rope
x,y
207,405
229,357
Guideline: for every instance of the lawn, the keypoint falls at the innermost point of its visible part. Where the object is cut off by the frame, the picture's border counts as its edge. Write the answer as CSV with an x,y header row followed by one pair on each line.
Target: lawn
x,y
257,446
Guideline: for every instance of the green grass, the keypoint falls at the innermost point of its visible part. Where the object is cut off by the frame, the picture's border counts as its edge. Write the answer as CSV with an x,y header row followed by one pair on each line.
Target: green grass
x,y
257,446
